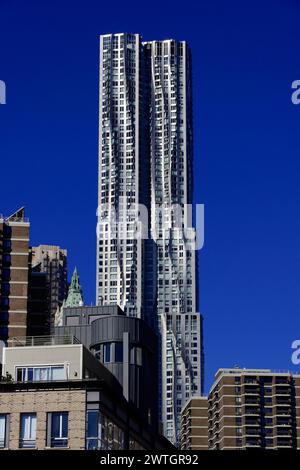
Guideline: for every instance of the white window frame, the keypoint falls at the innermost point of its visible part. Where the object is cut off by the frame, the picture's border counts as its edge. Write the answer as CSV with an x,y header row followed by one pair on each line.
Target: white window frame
x,y
4,437
29,438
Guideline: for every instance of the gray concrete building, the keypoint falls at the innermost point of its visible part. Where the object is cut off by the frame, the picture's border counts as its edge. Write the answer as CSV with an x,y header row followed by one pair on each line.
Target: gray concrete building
x,y
127,347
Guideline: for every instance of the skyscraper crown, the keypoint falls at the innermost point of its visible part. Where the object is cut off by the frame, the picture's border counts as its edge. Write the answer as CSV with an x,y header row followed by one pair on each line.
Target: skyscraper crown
x,y
75,296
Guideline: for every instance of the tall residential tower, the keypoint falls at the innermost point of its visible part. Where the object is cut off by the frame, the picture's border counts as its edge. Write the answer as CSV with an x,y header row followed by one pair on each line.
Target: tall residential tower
x,y
14,261
122,179
146,158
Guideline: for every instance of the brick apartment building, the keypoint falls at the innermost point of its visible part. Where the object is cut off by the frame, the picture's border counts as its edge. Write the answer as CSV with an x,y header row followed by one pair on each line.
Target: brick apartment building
x,y
247,409
194,429
14,252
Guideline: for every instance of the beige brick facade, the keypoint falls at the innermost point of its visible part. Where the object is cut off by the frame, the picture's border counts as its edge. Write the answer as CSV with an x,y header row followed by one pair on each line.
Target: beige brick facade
x,y
254,409
245,409
41,403
194,430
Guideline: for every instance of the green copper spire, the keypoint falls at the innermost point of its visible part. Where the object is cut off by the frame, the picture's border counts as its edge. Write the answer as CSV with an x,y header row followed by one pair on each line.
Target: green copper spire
x,y
75,298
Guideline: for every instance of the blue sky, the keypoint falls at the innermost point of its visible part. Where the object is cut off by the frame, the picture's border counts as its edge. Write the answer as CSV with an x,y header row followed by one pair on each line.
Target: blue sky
x,y
247,150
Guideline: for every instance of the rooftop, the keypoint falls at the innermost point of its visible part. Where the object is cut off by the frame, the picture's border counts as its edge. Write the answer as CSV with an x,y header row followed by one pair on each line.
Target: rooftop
x,y
243,371
18,216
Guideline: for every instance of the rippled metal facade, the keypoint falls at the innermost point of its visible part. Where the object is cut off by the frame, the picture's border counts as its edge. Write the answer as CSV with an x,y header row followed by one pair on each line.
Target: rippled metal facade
x,y
146,155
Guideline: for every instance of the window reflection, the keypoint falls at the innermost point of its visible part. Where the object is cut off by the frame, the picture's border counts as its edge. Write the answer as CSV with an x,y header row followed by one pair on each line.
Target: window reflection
x,y
102,433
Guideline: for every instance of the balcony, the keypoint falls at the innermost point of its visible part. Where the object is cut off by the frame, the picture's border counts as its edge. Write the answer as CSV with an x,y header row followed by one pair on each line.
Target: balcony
x,y
284,422
252,432
282,390
252,411
253,442
283,401
251,390
284,442
251,401
284,432
283,411
251,381
282,381
252,421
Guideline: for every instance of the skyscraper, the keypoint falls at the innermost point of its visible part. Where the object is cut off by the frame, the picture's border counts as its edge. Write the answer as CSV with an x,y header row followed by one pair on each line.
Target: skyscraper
x,y
121,178
146,157
171,157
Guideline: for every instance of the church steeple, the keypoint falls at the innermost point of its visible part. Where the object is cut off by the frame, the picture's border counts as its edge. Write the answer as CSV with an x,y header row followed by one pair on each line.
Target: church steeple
x,y
75,297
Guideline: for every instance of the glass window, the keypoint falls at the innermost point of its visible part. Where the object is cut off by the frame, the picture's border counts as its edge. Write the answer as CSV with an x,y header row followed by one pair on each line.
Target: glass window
x,y
136,356
59,429
58,373
38,374
119,352
28,430
93,430
29,374
3,429
102,433
20,375
107,352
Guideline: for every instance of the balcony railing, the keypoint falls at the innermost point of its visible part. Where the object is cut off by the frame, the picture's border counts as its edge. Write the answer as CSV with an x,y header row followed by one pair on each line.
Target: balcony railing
x,y
284,432
14,219
252,432
252,411
283,412
251,401
27,443
25,341
283,401
59,442
254,390
282,391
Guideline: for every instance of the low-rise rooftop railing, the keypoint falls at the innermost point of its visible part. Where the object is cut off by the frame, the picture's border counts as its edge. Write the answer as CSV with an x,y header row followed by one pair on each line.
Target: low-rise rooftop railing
x,y
23,341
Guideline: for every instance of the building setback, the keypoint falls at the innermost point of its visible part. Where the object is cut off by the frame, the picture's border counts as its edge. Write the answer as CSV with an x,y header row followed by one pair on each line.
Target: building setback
x,y
14,259
146,157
